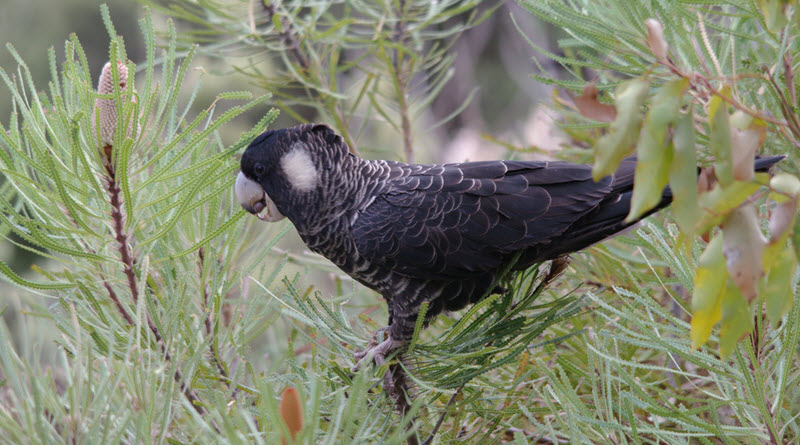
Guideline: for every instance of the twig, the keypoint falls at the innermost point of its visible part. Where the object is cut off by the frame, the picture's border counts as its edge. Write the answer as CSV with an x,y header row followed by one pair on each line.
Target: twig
x,y
444,414
289,37
213,348
119,227
117,302
788,75
397,389
127,260
786,108
737,105
401,82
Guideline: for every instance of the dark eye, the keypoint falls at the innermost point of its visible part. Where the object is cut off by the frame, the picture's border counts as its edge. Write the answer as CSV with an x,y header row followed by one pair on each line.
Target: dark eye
x,y
259,169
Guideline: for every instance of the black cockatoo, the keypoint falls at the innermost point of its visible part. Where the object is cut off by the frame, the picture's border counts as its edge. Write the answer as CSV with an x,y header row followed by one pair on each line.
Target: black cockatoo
x,y
432,233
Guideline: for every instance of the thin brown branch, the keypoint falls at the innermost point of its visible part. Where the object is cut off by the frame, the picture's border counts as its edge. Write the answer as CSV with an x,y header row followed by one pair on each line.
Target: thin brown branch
x,y
443,415
117,302
126,257
788,75
786,107
401,81
118,221
736,104
398,389
288,36
213,348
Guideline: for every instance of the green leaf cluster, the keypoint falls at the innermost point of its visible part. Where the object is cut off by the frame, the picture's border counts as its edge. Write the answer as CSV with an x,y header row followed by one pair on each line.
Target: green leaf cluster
x,y
354,63
698,84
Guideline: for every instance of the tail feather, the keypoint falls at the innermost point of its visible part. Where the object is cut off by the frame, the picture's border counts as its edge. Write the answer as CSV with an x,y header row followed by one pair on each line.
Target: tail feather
x,y
608,219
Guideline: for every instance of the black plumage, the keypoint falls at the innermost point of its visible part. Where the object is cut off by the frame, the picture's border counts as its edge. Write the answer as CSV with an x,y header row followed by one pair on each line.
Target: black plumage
x,y
429,232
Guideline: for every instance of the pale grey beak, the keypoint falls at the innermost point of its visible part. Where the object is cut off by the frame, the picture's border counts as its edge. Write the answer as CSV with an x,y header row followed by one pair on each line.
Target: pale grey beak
x,y
255,200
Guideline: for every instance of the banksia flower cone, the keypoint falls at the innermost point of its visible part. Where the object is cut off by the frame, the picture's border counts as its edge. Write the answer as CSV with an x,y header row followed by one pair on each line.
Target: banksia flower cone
x,y
292,412
105,116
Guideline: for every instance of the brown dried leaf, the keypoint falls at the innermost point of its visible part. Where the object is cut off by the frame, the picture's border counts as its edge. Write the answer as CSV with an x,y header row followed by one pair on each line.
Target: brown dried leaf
x,y
706,180
746,137
743,249
589,107
781,219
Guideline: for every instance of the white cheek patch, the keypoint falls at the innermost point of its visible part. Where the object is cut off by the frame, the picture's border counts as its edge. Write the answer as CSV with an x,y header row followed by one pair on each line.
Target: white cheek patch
x,y
299,168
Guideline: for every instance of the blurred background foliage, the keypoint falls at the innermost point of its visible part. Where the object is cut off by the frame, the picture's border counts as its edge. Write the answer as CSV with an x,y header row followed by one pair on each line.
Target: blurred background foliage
x,y
609,357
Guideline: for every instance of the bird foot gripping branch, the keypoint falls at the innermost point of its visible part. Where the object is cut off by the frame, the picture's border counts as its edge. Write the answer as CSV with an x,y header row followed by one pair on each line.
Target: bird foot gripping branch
x,y
376,352
440,234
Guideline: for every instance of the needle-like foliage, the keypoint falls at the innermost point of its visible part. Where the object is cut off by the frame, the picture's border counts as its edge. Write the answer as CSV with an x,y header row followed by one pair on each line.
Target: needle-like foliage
x,y
160,313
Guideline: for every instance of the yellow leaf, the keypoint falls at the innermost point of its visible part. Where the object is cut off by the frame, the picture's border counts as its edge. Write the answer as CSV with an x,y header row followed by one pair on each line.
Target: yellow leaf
x,y
615,145
719,202
654,151
709,284
736,321
780,264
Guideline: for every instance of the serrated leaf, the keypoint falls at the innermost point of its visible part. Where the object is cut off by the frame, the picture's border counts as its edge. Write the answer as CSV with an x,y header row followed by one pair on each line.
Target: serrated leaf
x,y
683,175
743,249
709,284
654,150
736,320
720,141
615,145
236,95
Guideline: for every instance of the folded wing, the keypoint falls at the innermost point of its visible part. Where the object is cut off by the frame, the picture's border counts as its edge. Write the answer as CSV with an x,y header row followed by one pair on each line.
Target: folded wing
x,y
457,220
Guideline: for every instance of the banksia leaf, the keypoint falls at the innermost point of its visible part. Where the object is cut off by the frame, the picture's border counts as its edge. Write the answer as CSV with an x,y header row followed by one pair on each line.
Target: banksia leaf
x,y
709,284
589,107
743,249
779,263
719,202
774,12
654,150
683,176
623,133
736,319
786,184
747,134
721,140
781,220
